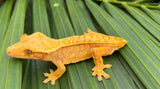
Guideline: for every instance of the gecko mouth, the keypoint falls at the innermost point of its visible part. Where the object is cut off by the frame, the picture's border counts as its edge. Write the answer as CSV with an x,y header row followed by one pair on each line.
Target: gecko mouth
x,y
10,54
33,58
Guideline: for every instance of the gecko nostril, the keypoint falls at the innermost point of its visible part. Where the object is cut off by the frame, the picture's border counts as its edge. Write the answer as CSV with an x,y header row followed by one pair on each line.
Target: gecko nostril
x,y
9,52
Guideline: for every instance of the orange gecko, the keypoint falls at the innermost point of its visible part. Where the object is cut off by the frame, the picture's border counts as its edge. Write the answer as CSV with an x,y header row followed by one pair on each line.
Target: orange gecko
x,y
68,50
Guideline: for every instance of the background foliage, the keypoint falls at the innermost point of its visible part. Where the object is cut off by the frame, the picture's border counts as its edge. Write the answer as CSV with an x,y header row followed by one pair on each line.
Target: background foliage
x,y
135,66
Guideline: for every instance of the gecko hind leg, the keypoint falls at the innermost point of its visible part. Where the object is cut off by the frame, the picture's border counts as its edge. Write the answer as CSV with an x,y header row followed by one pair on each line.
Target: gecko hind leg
x,y
54,75
99,66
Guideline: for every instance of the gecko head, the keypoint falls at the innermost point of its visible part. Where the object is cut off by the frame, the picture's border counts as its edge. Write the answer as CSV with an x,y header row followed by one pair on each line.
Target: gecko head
x,y
29,47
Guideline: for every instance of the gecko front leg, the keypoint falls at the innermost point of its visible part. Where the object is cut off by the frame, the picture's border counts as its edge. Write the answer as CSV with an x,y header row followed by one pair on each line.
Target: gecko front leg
x,y
54,75
99,66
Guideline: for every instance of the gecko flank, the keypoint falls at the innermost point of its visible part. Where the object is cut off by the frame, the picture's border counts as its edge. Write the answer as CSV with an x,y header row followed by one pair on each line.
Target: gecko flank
x,y
68,50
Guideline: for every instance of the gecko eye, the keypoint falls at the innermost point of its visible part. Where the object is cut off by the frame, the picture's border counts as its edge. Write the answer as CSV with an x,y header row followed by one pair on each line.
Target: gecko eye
x,y
27,51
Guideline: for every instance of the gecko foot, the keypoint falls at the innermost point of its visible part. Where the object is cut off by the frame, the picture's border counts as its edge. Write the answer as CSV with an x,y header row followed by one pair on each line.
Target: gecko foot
x,y
98,70
51,77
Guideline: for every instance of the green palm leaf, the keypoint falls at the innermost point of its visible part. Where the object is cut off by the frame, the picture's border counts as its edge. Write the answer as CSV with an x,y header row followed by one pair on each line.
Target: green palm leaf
x,y
135,66
4,17
152,14
10,77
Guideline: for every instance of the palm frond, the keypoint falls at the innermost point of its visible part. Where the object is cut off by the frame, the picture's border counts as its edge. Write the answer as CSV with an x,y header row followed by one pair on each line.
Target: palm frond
x,y
135,66
11,69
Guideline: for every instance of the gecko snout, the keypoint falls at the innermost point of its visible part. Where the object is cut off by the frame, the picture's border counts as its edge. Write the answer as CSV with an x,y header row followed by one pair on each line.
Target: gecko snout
x,y
9,52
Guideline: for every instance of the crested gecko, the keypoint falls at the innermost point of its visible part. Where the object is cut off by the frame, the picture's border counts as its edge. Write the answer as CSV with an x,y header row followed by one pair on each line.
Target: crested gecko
x,y
68,50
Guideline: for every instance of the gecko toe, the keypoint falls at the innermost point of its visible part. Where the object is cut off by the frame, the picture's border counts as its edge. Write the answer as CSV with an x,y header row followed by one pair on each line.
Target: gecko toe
x,y
99,77
93,74
46,74
46,80
52,82
51,71
105,75
107,66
